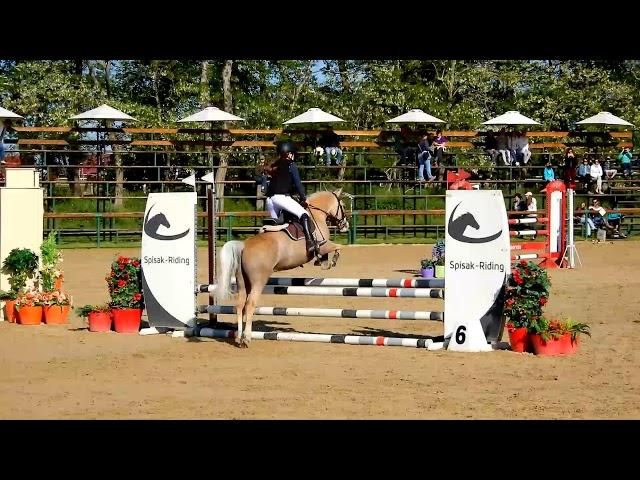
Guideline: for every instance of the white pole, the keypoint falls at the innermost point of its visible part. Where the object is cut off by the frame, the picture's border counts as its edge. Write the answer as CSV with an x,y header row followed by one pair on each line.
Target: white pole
x,y
572,262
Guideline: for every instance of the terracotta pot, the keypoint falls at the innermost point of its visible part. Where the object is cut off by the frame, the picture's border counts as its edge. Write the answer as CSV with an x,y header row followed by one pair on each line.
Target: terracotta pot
x,y
427,272
520,339
554,346
10,313
56,314
439,271
30,315
99,322
127,320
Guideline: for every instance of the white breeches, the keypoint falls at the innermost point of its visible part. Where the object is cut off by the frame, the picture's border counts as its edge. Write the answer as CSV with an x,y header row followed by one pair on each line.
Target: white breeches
x,y
277,203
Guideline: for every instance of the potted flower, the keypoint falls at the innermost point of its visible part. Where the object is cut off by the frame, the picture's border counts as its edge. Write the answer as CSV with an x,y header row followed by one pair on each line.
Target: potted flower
x,y
20,265
427,267
9,298
551,336
29,308
51,276
55,307
527,292
125,289
438,255
98,316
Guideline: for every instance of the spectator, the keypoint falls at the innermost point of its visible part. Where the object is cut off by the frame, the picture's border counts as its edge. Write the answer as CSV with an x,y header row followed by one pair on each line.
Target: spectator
x,y
625,161
596,175
584,173
601,213
331,143
402,146
439,144
491,146
548,174
569,168
519,203
6,125
424,158
609,172
587,221
532,204
503,146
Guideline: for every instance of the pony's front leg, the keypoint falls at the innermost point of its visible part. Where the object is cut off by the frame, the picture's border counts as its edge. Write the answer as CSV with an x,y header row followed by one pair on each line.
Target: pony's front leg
x,y
336,256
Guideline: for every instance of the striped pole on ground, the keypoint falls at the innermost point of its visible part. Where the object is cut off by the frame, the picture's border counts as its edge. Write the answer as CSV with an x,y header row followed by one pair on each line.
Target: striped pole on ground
x,y
530,256
429,344
327,312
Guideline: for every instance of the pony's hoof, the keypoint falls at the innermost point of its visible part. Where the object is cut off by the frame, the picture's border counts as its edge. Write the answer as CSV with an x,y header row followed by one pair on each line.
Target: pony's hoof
x,y
245,342
326,265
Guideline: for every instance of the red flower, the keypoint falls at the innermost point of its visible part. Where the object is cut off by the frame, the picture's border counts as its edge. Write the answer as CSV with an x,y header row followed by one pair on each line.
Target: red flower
x,y
121,283
121,266
137,297
510,301
136,263
523,263
543,301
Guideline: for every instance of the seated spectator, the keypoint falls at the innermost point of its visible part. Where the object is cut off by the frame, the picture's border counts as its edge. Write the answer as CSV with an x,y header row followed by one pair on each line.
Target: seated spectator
x,y
403,146
491,146
520,153
503,146
609,171
439,144
584,173
625,161
532,204
596,175
5,125
424,158
587,221
331,143
548,174
519,203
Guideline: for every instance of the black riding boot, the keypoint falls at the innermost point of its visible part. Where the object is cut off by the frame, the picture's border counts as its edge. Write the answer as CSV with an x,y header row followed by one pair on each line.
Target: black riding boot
x,y
312,245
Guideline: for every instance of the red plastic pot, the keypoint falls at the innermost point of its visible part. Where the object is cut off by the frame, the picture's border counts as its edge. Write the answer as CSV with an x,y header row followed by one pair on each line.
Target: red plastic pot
x,y
56,314
127,320
99,322
10,313
554,346
520,339
30,315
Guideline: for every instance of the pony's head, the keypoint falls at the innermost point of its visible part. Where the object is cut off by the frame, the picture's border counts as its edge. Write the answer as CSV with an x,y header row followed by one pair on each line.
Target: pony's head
x,y
331,205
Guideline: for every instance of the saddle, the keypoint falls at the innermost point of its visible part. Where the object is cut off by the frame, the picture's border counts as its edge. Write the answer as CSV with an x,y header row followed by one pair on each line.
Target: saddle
x,y
292,227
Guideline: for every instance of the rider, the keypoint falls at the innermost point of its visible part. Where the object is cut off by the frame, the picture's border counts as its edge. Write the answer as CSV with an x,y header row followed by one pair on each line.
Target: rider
x,y
285,180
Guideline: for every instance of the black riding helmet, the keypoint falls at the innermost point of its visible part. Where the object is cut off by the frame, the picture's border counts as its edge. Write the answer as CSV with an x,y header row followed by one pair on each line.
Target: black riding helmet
x,y
286,147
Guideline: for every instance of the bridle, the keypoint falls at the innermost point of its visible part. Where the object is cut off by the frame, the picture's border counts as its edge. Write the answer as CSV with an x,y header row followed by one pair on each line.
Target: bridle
x,y
339,219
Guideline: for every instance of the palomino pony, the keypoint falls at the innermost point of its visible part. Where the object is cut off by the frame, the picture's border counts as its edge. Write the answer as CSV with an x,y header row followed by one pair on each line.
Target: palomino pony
x,y
253,261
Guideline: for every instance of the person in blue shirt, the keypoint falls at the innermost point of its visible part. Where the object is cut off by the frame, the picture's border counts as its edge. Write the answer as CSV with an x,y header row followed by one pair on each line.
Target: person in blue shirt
x,y
625,161
285,180
549,175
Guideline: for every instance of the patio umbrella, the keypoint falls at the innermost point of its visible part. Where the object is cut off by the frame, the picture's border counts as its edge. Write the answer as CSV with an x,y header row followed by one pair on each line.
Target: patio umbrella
x,y
101,114
511,118
211,114
604,118
415,116
314,115
9,115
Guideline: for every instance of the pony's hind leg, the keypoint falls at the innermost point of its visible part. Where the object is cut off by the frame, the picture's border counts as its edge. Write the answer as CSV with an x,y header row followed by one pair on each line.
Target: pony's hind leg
x,y
240,304
250,307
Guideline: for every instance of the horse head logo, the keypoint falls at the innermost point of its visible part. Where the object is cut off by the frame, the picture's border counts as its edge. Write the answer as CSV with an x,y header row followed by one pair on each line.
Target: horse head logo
x,y
459,225
151,226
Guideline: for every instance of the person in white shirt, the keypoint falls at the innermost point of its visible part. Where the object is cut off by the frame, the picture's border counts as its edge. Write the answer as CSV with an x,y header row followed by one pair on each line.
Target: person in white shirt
x,y
4,126
596,175
521,143
532,205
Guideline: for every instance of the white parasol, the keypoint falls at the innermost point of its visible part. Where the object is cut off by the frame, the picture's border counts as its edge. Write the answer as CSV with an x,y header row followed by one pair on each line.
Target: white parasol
x,y
415,116
511,118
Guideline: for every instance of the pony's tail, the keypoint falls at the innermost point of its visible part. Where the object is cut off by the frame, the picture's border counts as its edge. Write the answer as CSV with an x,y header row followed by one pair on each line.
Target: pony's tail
x,y
229,261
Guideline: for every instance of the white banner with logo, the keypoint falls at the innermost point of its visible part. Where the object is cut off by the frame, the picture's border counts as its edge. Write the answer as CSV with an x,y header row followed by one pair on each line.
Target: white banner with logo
x,y
169,259
477,253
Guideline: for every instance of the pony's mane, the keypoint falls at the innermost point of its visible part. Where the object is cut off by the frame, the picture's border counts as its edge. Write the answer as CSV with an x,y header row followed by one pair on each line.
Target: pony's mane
x,y
316,195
